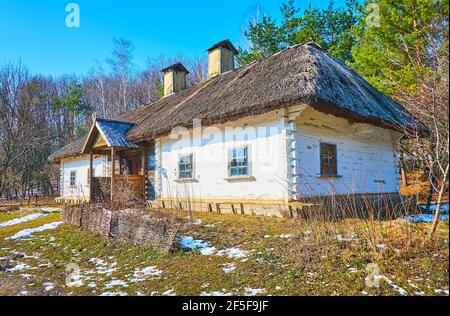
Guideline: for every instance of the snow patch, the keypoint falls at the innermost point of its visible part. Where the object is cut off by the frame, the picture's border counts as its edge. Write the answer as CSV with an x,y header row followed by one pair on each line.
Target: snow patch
x,y
216,293
48,286
425,218
21,220
229,267
396,288
441,291
170,292
114,294
350,237
253,292
234,253
189,243
115,283
28,232
19,267
144,274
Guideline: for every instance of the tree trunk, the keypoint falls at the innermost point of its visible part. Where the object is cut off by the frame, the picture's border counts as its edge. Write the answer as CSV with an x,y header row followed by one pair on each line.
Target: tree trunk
x,y
431,191
402,170
438,205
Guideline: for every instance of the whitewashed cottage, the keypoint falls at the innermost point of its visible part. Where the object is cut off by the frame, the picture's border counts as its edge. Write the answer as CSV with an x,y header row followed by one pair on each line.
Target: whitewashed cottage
x,y
260,138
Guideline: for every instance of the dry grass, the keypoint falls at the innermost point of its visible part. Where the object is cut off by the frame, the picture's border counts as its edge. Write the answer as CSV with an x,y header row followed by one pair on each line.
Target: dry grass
x,y
284,257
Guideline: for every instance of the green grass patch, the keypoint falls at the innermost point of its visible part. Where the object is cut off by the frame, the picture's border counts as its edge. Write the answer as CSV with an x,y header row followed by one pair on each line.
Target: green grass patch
x,y
311,261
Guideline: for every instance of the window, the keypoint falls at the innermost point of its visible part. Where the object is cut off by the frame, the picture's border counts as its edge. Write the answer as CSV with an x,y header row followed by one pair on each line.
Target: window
x,y
185,167
73,178
328,160
238,164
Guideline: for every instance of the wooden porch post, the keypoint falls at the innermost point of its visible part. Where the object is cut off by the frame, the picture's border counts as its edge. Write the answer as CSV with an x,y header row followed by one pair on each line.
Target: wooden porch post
x,y
113,171
91,176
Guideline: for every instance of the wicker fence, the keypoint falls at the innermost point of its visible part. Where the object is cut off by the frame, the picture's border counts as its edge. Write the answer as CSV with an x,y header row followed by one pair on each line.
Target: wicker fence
x,y
130,226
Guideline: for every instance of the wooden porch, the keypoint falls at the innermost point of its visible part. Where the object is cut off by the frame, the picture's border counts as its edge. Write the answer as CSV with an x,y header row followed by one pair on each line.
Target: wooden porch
x,y
128,175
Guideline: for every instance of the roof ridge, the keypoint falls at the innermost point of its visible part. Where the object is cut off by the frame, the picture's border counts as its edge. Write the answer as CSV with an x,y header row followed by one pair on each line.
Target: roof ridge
x,y
115,121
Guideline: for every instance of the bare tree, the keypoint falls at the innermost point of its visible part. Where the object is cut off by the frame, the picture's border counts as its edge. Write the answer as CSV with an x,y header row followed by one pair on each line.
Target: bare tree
x,y
429,103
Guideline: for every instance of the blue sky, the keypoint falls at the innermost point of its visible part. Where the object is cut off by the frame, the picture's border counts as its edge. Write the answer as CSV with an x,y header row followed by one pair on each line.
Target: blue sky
x,y
35,32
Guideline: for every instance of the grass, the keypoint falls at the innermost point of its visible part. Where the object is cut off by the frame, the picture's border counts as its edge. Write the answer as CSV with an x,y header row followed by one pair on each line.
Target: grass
x,y
285,257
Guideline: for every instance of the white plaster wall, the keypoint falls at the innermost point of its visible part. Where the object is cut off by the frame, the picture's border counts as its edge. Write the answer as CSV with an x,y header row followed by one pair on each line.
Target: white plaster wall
x,y
265,137
365,155
81,166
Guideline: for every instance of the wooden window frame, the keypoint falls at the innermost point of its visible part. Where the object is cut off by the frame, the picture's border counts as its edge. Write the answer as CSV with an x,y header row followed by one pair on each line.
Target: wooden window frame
x,y
73,174
247,166
182,177
332,167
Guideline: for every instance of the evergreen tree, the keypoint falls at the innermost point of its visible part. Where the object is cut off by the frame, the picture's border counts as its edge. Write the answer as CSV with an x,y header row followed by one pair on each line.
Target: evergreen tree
x,y
394,54
330,28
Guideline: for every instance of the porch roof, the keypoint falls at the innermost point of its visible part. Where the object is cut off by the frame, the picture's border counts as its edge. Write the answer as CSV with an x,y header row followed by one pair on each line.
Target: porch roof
x,y
113,133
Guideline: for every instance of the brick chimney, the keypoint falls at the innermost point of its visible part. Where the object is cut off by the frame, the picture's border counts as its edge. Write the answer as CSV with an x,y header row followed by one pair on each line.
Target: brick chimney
x,y
221,58
174,79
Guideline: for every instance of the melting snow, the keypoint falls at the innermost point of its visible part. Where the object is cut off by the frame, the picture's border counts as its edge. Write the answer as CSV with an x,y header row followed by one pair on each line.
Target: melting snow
x,y
188,243
103,267
115,283
170,292
229,267
233,253
396,288
28,232
216,293
21,220
347,238
440,291
19,267
425,218
142,275
75,280
114,294
253,292
48,286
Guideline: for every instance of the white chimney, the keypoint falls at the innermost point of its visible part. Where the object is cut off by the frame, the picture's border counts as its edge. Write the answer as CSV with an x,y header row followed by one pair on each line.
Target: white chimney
x,y
174,79
221,58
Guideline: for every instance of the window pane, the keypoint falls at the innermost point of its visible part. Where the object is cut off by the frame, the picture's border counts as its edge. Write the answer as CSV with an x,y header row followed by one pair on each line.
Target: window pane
x,y
238,162
328,159
185,167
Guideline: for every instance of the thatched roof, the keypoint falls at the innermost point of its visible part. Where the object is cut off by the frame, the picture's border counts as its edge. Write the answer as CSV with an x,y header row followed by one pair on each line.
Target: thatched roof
x,y
71,150
301,74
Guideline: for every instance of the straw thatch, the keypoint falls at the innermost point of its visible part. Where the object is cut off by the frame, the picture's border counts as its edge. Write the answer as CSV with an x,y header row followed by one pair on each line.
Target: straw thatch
x,y
71,150
301,74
